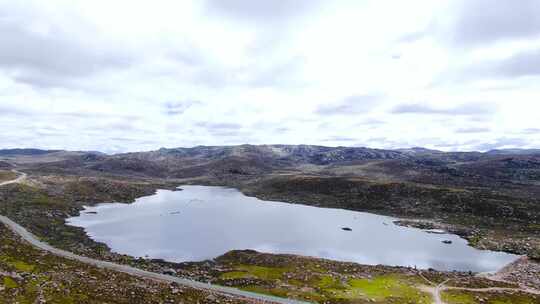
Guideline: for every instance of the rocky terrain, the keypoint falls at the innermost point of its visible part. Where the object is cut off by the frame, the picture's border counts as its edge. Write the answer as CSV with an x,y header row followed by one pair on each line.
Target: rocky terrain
x,y
28,275
490,198
326,281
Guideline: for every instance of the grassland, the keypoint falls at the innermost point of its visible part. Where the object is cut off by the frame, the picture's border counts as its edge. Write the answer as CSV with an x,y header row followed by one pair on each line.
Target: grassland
x,y
326,281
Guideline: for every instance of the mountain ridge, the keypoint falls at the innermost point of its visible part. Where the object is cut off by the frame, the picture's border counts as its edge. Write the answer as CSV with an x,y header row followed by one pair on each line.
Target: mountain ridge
x,y
303,147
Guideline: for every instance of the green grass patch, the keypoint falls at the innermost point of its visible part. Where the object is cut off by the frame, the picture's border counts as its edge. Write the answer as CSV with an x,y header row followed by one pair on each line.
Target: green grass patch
x,y
22,266
330,284
18,265
383,288
263,273
10,283
256,272
456,297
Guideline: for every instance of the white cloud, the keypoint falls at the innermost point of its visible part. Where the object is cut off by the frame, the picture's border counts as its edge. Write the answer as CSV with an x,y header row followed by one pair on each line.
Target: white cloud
x,y
124,75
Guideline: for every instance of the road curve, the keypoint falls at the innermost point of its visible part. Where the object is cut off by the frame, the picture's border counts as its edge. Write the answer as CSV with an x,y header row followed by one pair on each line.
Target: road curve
x,y
436,289
437,294
19,179
33,240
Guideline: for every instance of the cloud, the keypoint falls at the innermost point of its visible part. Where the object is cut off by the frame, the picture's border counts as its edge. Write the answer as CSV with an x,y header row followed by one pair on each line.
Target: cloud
x,y
472,130
124,139
187,54
413,37
226,133
231,131
179,107
277,74
370,122
472,109
9,110
261,11
53,57
261,69
531,131
281,130
351,105
502,142
486,21
339,138
521,64
218,126
281,71
524,63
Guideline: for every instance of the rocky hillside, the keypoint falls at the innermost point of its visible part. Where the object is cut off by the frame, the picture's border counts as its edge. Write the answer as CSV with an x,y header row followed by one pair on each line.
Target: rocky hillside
x,y
420,165
209,160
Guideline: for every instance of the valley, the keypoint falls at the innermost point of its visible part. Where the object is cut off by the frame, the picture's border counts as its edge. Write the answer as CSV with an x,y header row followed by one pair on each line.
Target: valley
x,y
490,199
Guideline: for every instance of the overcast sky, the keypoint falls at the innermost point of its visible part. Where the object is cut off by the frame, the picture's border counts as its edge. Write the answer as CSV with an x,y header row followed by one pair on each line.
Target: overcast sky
x,y
119,76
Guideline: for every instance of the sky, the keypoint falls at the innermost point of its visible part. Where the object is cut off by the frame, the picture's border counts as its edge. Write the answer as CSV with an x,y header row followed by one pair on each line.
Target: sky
x,y
118,76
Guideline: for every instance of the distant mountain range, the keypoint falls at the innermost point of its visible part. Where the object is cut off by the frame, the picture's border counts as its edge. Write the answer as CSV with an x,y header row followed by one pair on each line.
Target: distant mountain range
x,y
249,160
514,151
14,152
299,152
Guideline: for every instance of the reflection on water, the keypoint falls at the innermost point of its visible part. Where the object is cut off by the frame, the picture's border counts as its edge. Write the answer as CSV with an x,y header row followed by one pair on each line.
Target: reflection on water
x,y
202,222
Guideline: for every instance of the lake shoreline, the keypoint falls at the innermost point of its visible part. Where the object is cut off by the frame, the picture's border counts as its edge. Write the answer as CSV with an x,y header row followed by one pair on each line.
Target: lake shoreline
x,y
293,217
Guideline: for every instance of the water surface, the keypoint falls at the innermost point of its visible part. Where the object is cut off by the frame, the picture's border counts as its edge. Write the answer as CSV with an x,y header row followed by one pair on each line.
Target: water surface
x,y
203,222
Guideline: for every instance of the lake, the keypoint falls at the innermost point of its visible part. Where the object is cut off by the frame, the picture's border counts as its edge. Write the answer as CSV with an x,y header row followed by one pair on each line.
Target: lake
x,y
201,222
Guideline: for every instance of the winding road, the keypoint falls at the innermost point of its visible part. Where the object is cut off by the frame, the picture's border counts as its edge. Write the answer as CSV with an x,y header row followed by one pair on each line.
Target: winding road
x,y
33,240
433,289
20,178
437,294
